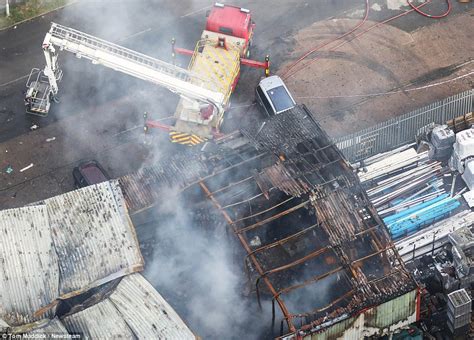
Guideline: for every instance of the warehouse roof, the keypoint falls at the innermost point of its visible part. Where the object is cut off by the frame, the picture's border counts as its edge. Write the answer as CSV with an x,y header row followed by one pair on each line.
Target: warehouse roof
x,y
303,219
145,311
100,321
82,242
133,309
29,277
94,238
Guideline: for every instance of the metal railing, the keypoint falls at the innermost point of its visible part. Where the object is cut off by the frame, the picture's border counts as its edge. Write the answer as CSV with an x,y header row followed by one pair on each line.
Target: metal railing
x,y
401,130
81,38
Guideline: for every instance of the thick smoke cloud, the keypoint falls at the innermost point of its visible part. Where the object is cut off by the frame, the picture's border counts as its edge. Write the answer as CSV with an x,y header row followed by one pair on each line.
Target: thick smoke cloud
x,y
196,266
97,104
194,261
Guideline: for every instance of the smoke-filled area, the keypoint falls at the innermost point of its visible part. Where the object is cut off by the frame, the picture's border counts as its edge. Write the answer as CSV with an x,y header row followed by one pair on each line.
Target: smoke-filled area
x,y
194,262
192,258
198,266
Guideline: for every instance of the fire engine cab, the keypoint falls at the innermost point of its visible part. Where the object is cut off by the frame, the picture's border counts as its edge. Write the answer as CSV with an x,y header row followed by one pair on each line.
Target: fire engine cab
x,y
234,22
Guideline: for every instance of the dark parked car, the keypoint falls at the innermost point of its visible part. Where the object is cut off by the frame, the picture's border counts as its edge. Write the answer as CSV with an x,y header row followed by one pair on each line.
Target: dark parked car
x,y
88,173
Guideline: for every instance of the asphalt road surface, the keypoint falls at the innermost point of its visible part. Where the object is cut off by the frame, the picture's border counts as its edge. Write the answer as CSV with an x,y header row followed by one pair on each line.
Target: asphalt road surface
x,y
148,27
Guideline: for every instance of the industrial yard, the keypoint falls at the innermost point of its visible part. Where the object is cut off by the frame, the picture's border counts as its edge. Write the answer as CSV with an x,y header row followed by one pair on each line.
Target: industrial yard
x,y
237,170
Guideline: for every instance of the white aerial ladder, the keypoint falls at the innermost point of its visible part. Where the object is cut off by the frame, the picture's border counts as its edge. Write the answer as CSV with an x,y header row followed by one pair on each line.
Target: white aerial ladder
x,y
42,85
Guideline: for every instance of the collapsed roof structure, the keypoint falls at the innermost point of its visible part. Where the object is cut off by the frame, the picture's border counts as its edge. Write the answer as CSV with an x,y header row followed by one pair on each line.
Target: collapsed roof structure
x,y
314,243
70,265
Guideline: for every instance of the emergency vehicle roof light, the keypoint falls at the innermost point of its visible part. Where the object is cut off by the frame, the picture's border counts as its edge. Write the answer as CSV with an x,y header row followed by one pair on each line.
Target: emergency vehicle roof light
x,y
218,4
245,10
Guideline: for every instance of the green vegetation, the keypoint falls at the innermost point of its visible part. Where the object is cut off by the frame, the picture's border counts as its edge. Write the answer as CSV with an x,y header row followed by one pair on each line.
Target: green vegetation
x,y
30,9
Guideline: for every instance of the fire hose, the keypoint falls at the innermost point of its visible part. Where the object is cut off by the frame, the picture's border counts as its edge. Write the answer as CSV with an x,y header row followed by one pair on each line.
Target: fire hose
x,y
445,14
416,8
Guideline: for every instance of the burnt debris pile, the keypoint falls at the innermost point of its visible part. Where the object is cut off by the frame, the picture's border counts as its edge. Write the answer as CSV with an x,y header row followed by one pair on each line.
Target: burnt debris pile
x,y
314,244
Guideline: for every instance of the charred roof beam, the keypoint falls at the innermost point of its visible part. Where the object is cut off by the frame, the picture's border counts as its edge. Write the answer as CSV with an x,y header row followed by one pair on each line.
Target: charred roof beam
x,y
285,240
264,275
221,171
272,218
245,201
265,211
314,279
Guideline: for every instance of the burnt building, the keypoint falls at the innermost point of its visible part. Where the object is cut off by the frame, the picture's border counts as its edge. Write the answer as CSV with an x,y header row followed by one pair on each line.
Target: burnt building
x,y
313,243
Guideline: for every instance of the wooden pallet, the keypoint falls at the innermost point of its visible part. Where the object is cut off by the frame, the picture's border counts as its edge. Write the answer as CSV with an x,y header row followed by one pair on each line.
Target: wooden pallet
x,y
462,122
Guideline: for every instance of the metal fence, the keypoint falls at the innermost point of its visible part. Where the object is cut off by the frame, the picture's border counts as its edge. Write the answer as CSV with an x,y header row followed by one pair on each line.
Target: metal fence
x,y
402,130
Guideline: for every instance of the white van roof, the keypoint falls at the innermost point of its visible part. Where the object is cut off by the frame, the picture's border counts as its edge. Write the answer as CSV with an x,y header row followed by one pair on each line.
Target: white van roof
x,y
271,82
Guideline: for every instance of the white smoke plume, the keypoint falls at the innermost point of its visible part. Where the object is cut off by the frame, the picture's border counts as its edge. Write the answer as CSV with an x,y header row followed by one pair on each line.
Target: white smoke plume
x,y
197,266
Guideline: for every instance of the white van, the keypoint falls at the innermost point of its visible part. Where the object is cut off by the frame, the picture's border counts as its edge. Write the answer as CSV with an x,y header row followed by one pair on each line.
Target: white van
x,y
273,96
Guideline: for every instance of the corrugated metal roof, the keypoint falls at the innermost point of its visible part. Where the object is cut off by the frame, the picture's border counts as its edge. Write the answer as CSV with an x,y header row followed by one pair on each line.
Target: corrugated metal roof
x,y
134,310
3,325
44,326
50,327
28,265
93,236
100,321
146,312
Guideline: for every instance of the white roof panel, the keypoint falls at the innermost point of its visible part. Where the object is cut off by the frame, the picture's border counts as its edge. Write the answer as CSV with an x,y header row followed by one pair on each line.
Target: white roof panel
x,y
45,326
93,236
146,312
100,321
28,265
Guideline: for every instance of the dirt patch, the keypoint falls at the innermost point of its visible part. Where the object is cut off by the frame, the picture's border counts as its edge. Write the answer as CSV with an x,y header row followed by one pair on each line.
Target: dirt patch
x,y
385,59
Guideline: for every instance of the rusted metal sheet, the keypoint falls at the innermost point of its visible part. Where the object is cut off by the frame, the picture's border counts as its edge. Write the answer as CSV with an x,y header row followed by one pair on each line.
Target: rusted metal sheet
x,y
29,277
93,236
101,321
145,311
280,178
339,219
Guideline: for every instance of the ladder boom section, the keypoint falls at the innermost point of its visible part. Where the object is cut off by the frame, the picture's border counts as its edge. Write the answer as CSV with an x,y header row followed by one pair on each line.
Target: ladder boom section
x,y
136,64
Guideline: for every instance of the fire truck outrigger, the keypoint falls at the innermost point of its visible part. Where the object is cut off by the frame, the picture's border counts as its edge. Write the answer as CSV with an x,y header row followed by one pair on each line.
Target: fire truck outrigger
x,y
205,87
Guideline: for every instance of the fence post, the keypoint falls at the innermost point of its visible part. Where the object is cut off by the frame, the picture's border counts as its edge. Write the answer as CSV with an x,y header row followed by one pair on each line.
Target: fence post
x,y
7,8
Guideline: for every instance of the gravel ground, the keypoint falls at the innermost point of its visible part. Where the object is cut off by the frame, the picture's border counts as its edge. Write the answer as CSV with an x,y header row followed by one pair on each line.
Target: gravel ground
x,y
385,59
